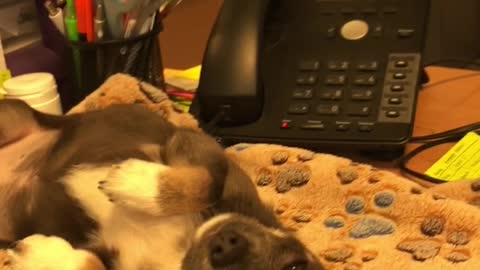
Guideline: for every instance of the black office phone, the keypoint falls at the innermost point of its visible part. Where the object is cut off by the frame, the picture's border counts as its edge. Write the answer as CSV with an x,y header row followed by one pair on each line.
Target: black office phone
x,y
314,73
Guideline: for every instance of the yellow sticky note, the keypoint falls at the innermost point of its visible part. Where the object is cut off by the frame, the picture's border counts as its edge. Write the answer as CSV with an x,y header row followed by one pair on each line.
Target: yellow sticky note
x,y
191,73
462,162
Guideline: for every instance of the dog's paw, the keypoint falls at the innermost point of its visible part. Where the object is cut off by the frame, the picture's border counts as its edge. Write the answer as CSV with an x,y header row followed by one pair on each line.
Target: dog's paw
x,y
134,184
39,252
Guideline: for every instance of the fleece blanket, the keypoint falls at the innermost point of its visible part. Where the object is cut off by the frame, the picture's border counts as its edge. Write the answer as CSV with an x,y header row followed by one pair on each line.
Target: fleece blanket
x,y
352,216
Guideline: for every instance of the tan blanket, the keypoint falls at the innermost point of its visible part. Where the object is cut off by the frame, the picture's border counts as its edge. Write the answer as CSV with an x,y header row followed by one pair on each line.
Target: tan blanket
x,y
353,216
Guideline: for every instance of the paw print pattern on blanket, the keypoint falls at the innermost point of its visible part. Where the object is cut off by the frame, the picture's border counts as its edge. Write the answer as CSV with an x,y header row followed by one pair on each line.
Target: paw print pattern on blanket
x,y
355,216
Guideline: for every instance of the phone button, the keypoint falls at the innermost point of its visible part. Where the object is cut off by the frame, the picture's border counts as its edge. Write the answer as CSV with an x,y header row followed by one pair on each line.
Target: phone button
x,y
335,79
331,94
359,111
405,33
328,109
395,101
338,65
397,88
302,93
362,95
309,65
365,80
343,126
305,79
298,108
365,126
367,66
392,114
354,30
369,11
401,64
399,76
313,126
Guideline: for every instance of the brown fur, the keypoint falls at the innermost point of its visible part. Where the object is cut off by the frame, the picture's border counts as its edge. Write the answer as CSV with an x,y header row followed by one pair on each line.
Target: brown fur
x,y
182,190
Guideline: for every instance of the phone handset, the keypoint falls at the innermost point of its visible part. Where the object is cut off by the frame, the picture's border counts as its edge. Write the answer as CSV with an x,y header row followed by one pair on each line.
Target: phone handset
x,y
230,78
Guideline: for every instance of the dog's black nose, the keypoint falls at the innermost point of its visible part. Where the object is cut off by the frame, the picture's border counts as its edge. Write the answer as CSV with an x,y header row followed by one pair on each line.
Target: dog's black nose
x,y
227,248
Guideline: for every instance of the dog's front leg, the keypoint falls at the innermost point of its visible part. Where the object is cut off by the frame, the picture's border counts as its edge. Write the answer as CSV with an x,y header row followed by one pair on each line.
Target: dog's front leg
x,y
192,180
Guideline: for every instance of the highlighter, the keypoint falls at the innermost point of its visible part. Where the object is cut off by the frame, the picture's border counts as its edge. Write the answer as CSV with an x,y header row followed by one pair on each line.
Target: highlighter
x,y
71,21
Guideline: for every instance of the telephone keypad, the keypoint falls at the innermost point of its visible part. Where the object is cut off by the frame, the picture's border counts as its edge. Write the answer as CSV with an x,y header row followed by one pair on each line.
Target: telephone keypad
x,y
369,97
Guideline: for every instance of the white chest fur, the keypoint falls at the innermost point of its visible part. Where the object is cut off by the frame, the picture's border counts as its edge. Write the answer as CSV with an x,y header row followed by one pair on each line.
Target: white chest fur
x,y
143,242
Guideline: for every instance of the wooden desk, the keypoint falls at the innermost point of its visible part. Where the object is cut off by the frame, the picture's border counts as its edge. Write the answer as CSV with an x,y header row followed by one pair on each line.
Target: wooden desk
x,y
450,100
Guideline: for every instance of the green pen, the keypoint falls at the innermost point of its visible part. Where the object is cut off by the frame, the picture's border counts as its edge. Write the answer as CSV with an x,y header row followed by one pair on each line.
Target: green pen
x,y
71,21
72,35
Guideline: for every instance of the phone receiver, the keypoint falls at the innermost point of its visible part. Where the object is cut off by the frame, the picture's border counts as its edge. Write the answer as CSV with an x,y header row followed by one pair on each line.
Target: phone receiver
x,y
230,80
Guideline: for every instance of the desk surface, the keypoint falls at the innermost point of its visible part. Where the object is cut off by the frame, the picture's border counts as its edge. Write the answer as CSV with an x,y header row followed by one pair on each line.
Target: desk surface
x,y
450,100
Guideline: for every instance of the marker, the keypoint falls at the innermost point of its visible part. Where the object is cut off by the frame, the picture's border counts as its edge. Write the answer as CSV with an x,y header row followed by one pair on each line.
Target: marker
x,y
89,17
71,21
81,19
56,16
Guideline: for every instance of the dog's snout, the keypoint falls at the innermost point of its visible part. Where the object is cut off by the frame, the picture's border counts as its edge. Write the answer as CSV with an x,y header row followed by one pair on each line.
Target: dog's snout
x,y
227,248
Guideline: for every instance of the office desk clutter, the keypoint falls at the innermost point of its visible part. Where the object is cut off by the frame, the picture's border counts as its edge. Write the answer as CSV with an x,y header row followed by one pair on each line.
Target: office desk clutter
x,y
111,36
351,215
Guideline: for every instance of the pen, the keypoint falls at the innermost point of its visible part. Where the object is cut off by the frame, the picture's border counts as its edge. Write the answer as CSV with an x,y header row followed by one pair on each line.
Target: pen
x,y
72,35
56,15
81,19
99,30
99,23
71,21
89,17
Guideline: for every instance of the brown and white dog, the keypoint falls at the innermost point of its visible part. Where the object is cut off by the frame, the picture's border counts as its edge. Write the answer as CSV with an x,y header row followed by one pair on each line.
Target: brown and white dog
x,y
124,189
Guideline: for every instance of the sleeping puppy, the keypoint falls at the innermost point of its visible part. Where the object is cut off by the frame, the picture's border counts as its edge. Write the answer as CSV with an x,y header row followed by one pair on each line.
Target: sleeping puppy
x,y
125,187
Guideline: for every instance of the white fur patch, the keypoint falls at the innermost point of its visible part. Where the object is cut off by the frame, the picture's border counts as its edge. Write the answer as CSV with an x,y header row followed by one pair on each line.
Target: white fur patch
x,y
40,252
82,183
134,183
138,237
210,224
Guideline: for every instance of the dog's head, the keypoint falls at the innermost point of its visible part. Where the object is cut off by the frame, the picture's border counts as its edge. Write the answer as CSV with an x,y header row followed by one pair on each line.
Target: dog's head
x,y
235,242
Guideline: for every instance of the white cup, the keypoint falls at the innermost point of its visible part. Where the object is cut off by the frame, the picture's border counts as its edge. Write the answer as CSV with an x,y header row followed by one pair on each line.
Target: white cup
x,y
39,90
